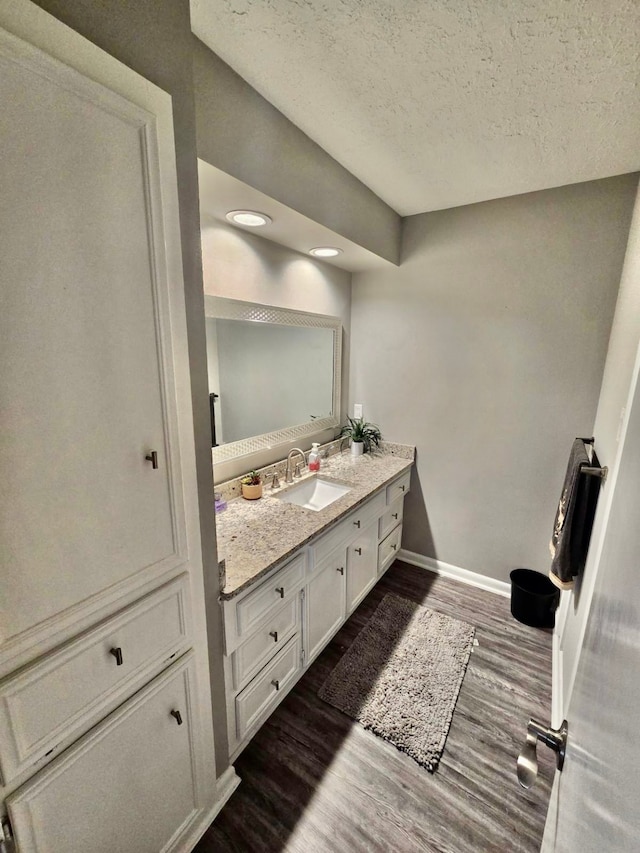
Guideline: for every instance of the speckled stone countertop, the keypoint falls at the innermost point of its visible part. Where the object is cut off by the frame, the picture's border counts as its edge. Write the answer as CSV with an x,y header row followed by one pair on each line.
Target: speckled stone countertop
x,y
254,536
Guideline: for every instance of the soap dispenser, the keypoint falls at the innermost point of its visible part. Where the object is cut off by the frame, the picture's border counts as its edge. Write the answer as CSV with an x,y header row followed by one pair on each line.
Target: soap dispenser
x,y
314,457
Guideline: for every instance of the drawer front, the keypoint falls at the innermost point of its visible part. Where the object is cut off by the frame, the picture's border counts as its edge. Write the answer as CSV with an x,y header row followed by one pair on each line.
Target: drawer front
x,y
388,548
347,530
262,695
103,794
398,488
50,703
391,518
265,600
266,642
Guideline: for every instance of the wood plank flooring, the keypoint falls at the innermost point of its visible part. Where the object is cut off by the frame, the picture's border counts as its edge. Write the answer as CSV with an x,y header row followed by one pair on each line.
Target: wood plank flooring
x,y
314,781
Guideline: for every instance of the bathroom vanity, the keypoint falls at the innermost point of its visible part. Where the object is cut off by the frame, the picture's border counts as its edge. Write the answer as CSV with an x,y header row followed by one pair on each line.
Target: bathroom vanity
x,y
295,575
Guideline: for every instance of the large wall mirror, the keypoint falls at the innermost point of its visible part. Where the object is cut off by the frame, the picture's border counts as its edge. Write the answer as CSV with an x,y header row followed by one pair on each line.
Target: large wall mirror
x,y
274,375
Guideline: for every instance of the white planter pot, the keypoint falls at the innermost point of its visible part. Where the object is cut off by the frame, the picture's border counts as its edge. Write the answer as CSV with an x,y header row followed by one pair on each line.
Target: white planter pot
x,y
357,448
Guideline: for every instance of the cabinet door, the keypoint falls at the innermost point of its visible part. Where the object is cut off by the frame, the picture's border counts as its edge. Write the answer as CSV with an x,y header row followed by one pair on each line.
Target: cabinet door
x,y
362,565
325,602
91,319
129,785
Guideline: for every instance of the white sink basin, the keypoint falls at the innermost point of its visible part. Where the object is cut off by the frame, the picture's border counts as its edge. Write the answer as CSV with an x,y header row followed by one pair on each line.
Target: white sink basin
x,y
315,494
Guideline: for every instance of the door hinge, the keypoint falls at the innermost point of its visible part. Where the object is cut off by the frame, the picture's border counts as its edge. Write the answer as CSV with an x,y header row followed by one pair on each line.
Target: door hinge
x,y
301,595
6,832
302,656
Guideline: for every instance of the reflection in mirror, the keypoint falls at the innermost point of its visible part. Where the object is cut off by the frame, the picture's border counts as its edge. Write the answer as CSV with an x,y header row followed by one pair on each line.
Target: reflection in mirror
x,y
274,375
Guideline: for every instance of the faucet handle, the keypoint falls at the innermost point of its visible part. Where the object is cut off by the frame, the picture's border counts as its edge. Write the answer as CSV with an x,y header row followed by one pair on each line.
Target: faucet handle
x,y
299,467
275,479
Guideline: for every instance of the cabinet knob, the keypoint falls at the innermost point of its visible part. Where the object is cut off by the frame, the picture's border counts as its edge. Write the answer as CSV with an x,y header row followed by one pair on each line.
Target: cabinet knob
x,y
177,716
358,551
274,634
276,683
402,488
394,547
117,653
395,515
357,523
340,569
280,590
152,457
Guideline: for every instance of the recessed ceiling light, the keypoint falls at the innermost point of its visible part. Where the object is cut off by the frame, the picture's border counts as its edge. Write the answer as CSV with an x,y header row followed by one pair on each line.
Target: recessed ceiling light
x,y
325,252
251,218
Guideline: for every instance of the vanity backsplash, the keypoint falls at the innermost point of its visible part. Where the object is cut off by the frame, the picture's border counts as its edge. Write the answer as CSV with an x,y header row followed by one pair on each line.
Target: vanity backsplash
x,y
232,488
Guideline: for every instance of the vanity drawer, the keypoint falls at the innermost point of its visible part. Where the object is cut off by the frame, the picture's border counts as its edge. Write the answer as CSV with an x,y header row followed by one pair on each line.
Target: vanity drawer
x,y
391,518
260,603
388,548
266,642
59,697
347,530
264,692
398,488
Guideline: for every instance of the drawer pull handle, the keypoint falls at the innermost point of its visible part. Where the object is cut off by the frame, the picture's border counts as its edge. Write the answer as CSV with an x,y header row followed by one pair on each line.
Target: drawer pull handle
x,y
358,551
152,457
357,523
340,569
394,547
117,653
402,488
274,634
280,590
177,716
276,683
395,515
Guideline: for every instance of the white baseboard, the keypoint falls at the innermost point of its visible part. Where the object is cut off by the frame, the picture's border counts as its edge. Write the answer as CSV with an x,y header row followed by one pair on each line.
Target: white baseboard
x,y
225,786
455,573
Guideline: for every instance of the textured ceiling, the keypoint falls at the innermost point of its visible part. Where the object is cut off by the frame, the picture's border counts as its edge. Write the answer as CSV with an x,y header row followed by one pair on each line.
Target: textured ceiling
x,y
438,103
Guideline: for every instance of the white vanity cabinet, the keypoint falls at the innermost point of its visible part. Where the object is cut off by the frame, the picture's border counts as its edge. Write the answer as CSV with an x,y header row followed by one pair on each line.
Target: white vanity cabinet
x,y
102,585
277,627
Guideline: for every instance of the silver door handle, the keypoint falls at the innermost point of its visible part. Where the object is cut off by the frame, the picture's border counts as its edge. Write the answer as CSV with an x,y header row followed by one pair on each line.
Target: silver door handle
x,y
555,739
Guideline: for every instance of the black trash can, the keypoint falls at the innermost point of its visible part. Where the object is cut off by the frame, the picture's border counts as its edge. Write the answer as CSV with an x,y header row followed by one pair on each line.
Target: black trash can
x,y
534,598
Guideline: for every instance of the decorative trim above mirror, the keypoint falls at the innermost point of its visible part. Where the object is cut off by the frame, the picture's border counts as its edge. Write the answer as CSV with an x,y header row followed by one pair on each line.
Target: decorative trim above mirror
x,y
232,309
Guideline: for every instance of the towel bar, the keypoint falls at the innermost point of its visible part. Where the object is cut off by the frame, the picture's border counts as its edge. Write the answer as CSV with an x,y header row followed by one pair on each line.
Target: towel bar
x,y
595,472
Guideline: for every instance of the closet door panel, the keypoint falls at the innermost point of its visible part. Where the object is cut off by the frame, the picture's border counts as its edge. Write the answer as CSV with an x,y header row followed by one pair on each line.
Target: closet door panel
x,y
131,784
86,387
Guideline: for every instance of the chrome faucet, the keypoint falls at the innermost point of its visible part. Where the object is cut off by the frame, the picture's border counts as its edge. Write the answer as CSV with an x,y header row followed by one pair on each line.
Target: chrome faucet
x,y
289,475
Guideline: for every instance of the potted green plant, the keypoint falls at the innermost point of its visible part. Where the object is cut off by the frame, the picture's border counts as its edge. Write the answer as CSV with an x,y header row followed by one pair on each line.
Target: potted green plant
x,y
251,486
364,436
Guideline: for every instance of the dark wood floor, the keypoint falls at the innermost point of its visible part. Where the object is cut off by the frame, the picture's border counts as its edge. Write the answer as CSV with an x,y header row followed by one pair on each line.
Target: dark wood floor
x,y
314,781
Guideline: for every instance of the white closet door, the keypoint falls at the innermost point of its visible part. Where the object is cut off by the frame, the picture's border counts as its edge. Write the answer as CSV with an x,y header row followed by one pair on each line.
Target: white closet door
x,y
87,345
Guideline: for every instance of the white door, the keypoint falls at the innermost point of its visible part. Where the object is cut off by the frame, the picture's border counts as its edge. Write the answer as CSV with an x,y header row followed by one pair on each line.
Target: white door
x,y
595,805
128,786
91,327
362,565
325,602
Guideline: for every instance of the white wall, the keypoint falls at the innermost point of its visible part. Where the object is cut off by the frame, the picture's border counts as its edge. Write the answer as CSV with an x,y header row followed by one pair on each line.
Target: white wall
x,y
244,135
614,395
241,265
486,348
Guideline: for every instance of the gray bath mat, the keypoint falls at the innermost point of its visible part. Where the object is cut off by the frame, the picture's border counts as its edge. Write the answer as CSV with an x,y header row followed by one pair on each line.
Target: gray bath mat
x,y
401,677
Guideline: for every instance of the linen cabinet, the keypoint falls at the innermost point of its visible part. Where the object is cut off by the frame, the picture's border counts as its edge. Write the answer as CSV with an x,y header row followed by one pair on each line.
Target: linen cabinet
x,y
104,688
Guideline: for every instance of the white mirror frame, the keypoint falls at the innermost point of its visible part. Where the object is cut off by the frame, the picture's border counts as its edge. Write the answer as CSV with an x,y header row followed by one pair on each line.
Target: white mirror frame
x,y
222,308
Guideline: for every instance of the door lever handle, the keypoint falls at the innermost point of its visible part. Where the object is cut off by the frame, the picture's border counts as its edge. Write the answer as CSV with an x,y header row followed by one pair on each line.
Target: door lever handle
x,y
555,739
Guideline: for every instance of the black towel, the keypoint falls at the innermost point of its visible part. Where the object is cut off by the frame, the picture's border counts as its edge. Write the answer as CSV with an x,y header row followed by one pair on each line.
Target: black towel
x,y
574,518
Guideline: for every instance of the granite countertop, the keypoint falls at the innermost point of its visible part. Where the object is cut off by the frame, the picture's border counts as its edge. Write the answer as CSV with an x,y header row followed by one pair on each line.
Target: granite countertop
x,y
254,536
